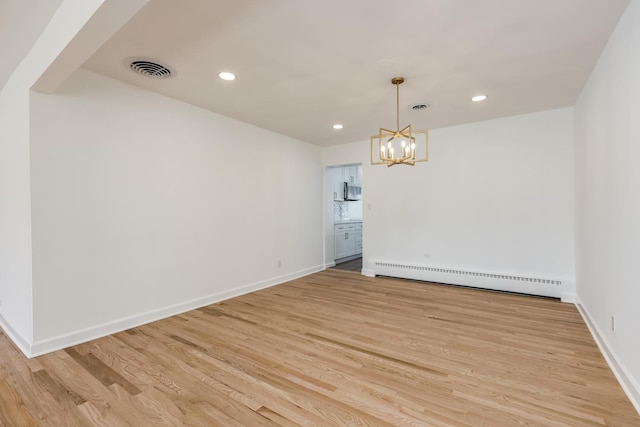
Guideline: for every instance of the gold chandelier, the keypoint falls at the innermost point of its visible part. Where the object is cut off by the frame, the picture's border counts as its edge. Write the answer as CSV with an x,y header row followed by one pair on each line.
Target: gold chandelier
x,y
401,146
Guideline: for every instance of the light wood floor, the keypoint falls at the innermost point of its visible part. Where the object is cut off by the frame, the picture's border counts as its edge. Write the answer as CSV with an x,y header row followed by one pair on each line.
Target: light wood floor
x,y
333,348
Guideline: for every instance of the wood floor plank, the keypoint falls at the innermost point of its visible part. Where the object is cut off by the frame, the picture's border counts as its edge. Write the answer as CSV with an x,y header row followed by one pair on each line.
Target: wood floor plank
x,y
47,409
198,390
99,405
13,410
332,348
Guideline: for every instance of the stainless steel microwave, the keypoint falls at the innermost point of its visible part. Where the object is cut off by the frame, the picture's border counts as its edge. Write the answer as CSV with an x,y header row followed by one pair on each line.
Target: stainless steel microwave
x,y
352,191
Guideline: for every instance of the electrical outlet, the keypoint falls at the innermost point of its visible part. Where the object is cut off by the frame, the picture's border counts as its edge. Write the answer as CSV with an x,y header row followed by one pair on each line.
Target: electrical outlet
x,y
427,255
279,263
613,323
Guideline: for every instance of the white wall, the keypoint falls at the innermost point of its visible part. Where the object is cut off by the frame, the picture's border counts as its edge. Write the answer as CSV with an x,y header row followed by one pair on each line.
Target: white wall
x,y
608,199
495,196
144,206
16,308
15,215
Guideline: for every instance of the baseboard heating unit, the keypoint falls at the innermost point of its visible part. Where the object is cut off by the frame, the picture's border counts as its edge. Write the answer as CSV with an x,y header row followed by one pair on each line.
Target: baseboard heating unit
x,y
543,286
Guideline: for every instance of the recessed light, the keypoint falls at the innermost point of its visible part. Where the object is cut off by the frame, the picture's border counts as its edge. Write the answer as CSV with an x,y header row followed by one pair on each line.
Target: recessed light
x,y
479,98
338,126
225,75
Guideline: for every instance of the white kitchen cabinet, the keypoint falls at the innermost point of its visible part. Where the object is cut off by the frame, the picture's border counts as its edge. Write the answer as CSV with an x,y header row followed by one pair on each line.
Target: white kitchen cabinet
x,y
345,240
348,239
340,175
337,179
353,174
338,190
359,238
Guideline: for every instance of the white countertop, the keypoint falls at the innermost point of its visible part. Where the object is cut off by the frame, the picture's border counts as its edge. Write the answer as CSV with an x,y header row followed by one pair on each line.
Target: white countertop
x,y
347,221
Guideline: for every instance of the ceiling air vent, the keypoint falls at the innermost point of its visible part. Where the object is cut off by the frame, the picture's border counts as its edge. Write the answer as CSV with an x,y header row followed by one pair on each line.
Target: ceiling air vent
x,y
150,69
418,107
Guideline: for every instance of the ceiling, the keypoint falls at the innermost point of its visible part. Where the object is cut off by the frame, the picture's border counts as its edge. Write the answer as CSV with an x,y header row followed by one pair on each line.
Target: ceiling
x,y
302,66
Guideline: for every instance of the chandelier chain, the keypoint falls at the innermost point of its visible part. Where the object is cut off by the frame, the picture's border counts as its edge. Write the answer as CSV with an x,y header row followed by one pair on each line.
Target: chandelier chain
x,y
398,107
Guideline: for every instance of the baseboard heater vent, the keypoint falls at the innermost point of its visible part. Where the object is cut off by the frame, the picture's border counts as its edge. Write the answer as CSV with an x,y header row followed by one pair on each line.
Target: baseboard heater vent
x,y
516,278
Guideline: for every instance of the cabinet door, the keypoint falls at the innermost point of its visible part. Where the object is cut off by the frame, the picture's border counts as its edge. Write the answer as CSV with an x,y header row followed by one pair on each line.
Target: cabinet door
x,y
351,174
358,235
341,241
351,242
338,191
345,240
337,179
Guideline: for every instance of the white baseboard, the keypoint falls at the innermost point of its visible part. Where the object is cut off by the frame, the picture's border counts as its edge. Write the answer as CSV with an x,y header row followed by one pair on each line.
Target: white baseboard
x,y
627,382
41,347
329,265
23,345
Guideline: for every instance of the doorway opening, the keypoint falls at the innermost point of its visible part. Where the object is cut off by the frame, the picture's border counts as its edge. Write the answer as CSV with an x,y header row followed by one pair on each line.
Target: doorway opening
x,y
344,217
